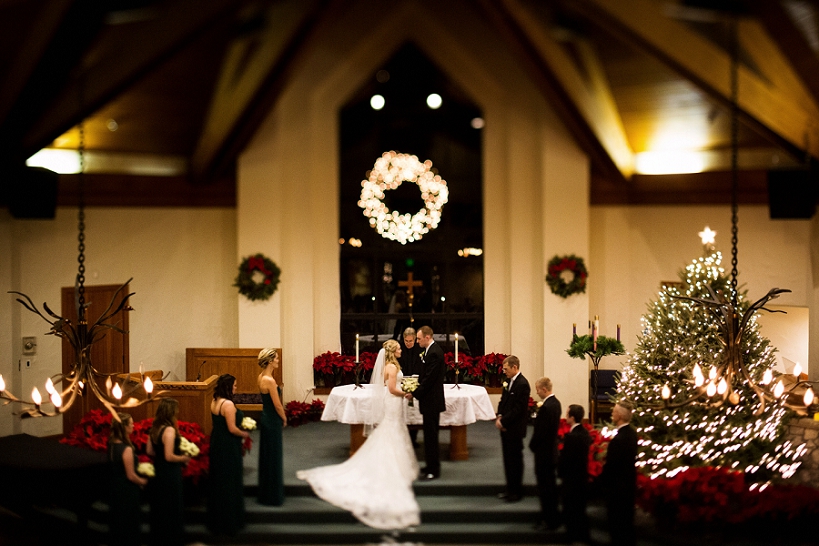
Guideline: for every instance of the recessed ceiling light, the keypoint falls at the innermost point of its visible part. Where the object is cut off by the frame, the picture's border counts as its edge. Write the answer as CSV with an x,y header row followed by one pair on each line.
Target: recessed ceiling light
x,y
377,102
434,101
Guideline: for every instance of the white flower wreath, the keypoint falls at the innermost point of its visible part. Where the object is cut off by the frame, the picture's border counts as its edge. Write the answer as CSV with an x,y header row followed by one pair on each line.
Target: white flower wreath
x,y
389,172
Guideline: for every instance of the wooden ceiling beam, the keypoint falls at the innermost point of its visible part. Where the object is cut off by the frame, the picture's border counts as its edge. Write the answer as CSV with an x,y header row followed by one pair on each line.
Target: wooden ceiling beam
x,y
773,111
589,89
134,55
508,17
49,18
253,65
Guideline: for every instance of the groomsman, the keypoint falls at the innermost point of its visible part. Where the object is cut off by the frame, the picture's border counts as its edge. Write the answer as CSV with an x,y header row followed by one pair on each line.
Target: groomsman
x,y
573,470
410,361
544,446
512,420
619,477
430,393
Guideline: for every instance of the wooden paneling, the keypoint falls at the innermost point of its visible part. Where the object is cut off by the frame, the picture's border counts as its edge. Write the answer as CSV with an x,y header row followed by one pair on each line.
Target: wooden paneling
x,y
243,364
194,399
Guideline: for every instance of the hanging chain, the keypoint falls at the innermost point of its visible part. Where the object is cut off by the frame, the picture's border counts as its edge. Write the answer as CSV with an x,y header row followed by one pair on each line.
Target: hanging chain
x,y
81,228
734,155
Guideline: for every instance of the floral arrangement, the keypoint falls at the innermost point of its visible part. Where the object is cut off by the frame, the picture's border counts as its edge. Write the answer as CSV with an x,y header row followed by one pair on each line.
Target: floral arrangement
x,y
248,423
721,496
94,428
146,469
188,448
333,368
554,277
258,277
408,385
299,413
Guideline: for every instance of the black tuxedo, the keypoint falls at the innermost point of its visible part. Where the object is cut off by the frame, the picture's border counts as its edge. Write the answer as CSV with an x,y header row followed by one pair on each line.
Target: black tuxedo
x,y
619,481
430,394
573,470
514,413
544,445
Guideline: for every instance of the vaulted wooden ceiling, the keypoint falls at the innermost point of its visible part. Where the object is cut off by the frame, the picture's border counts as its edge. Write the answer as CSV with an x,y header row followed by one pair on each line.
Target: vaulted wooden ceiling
x,y
181,85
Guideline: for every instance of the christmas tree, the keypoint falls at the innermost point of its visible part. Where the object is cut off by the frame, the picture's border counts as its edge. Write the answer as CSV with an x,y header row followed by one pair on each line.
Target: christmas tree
x,y
682,350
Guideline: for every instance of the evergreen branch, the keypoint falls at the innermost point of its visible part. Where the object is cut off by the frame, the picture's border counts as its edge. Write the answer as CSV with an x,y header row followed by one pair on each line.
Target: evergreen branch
x,y
583,346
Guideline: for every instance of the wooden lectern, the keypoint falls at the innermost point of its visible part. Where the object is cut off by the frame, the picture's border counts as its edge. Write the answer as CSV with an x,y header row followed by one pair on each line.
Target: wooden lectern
x,y
194,399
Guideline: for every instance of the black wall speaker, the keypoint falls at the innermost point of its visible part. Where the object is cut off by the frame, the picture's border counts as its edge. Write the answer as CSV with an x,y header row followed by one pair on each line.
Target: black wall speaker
x,y
792,193
33,193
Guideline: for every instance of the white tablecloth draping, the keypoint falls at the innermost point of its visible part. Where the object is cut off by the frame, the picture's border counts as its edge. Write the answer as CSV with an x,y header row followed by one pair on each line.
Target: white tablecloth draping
x,y
464,406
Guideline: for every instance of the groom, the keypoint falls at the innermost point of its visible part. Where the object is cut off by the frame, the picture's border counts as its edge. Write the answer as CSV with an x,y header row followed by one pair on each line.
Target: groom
x,y
430,393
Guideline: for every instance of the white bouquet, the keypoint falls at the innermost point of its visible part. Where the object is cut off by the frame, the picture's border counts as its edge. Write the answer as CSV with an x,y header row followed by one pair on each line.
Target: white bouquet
x,y
408,385
187,447
146,469
248,423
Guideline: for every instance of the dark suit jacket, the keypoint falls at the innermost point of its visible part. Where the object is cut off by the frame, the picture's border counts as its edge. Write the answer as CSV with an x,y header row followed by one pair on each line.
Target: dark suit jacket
x,y
573,467
619,475
430,389
514,407
410,360
544,436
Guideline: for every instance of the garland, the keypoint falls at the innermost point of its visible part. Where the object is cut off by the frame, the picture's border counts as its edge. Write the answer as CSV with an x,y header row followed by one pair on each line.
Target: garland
x,y
263,289
558,265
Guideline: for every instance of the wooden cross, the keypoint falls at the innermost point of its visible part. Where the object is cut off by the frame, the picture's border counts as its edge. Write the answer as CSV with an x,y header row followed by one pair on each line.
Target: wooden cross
x,y
409,284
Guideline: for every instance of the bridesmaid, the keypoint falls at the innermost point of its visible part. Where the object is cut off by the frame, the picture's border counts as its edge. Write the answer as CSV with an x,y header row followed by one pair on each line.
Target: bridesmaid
x,y
226,499
271,459
167,508
124,506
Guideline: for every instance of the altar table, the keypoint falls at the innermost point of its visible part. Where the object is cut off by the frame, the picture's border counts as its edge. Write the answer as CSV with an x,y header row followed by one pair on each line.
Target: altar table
x,y
464,405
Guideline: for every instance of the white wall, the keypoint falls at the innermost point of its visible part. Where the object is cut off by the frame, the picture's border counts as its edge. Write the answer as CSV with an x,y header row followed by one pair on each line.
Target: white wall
x,y
182,262
634,249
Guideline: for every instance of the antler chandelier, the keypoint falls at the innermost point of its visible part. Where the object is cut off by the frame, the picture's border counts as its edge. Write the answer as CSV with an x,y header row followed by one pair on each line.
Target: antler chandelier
x,y
723,378
83,377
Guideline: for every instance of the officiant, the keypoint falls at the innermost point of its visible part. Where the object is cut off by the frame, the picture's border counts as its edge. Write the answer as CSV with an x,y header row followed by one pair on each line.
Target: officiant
x,y
410,361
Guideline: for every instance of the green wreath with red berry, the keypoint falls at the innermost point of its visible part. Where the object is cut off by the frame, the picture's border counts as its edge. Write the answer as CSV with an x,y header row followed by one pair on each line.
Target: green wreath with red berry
x,y
258,277
555,278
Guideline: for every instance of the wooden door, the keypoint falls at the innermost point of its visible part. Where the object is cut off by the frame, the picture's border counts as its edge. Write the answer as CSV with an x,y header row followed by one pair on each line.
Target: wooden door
x,y
108,354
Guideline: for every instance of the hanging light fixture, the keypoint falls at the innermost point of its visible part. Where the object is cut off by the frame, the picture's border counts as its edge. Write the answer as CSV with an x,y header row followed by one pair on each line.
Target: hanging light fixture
x,y
83,377
719,387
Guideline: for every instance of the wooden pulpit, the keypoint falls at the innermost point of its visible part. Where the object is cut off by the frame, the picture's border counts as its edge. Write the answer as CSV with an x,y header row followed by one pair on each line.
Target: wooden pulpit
x,y
194,399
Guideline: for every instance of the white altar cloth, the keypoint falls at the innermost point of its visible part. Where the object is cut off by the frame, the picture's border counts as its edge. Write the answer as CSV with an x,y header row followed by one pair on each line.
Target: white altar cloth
x,y
464,406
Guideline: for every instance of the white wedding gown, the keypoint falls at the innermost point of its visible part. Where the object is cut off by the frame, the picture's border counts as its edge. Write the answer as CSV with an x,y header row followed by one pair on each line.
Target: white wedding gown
x,y
375,484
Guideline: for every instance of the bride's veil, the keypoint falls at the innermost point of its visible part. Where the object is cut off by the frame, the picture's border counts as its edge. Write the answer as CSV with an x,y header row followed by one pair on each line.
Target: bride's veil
x,y
376,389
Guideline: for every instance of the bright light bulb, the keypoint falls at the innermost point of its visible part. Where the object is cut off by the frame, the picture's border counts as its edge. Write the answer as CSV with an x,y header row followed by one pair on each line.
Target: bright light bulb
x,y
722,386
2,384
809,397
377,102
36,397
117,392
797,370
149,385
434,101
779,389
56,399
767,377
49,386
666,392
699,380
711,390
713,373
697,370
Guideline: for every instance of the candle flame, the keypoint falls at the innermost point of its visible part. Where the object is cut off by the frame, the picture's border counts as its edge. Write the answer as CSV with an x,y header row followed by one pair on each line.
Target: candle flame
x,y
49,386
797,370
767,377
56,399
722,386
149,385
117,392
712,374
697,371
36,397
809,397
666,392
779,389
2,384
711,390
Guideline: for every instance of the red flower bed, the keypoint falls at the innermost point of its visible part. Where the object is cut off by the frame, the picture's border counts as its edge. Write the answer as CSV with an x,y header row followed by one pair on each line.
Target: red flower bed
x,y
299,413
721,496
491,363
93,430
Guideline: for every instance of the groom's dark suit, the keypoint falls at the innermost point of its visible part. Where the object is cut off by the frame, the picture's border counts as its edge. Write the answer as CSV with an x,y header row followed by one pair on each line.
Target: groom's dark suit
x,y
430,394
514,411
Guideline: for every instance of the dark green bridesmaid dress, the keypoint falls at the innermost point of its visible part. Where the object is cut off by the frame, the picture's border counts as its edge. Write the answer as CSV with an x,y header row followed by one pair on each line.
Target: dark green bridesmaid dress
x,y
167,504
226,499
124,503
271,456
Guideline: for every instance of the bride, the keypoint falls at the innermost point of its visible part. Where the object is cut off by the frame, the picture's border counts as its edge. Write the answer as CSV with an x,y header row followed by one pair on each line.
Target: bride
x,y
375,484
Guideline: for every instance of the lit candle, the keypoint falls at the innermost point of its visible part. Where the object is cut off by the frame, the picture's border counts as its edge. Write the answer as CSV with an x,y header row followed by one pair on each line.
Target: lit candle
x,y
618,332
117,391
456,347
36,397
356,347
149,386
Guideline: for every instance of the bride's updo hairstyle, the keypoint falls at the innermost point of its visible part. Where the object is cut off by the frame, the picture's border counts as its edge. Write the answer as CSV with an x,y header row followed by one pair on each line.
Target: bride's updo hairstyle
x,y
390,346
266,356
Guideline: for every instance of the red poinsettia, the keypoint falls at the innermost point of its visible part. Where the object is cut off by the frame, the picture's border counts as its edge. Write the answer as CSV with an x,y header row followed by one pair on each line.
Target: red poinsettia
x,y
94,428
492,362
299,413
